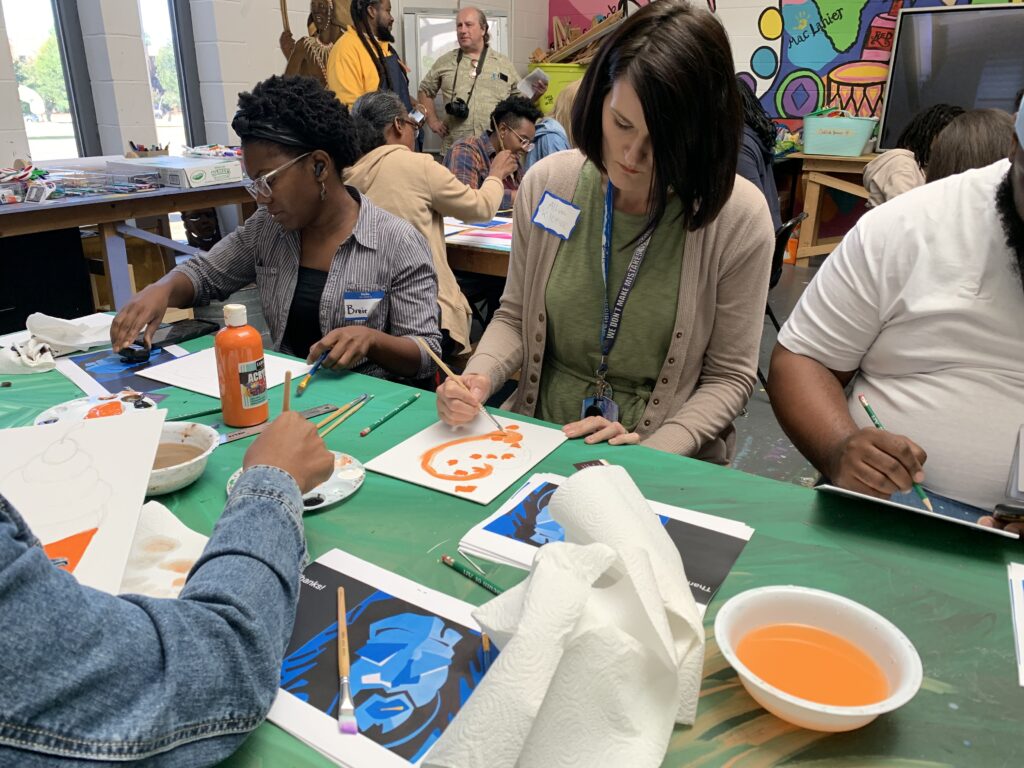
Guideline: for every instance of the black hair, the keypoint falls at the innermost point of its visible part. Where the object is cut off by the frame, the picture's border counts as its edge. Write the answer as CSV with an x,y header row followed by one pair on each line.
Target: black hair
x,y
756,118
360,10
679,61
924,127
297,114
977,138
375,112
1018,99
517,107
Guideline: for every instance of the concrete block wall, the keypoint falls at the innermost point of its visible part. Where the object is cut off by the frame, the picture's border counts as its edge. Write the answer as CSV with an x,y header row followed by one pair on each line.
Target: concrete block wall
x,y
13,141
116,57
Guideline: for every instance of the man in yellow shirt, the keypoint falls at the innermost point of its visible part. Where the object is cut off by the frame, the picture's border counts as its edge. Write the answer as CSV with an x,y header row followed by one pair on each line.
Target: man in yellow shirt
x,y
363,60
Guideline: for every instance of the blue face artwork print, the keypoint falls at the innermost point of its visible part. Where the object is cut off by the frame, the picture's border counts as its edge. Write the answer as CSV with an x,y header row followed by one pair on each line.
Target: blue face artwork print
x,y
411,670
707,555
113,374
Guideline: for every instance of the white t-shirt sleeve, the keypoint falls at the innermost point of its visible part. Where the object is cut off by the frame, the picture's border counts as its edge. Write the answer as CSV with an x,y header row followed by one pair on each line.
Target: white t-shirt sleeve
x,y
838,317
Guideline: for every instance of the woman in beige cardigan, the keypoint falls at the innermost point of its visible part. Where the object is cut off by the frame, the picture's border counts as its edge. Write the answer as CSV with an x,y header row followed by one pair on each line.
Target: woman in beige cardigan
x,y
676,299
413,186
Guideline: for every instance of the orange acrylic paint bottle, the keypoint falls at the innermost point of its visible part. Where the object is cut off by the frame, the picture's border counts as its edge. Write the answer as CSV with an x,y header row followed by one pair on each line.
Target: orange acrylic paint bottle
x,y
240,370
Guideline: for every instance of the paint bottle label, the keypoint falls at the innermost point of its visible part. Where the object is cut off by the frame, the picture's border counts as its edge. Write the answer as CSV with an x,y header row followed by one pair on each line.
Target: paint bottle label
x,y
252,377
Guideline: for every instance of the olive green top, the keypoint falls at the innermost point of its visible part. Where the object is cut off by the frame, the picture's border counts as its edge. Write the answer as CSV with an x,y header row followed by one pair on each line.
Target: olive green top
x,y
575,308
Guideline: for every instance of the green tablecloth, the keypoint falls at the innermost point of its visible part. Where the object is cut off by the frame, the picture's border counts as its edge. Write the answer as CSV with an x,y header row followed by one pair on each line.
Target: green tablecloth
x,y
943,585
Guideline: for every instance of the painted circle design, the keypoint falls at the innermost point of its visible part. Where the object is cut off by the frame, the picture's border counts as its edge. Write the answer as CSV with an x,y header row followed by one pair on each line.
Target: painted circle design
x,y
787,96
764,62
770,24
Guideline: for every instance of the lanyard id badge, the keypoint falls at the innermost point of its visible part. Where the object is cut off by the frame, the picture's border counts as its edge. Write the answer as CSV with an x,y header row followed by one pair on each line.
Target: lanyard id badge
x,y
602,402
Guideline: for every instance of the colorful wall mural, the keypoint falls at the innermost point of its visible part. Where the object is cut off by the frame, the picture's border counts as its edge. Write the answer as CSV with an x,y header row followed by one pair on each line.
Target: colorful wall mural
x,y
801,55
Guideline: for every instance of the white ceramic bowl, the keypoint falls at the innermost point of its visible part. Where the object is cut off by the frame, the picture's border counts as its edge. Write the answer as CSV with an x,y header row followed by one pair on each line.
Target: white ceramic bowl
x,y
177,477
875,635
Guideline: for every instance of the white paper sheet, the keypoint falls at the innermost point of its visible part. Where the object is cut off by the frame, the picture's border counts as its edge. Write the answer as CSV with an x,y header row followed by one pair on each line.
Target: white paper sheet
x,y
474,462
937,515
318,729
83,479
162,554
198,372
1015,571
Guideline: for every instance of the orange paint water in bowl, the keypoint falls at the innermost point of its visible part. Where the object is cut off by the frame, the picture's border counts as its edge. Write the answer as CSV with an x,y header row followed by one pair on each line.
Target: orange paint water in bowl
x,y
813,664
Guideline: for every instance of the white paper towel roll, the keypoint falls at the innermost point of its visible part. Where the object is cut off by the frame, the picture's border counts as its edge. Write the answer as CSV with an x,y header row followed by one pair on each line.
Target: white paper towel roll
x,y
602,647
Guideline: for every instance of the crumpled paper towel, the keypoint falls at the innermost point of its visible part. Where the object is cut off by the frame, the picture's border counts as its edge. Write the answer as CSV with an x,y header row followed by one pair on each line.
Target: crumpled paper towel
x,y
32,356
66,336
602,647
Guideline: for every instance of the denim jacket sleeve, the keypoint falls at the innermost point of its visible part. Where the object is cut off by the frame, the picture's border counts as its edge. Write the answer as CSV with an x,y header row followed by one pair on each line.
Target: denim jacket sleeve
x,y
90,676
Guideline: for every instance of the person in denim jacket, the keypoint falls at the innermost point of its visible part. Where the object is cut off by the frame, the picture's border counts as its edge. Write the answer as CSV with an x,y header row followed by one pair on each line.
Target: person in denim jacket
x,y
87,676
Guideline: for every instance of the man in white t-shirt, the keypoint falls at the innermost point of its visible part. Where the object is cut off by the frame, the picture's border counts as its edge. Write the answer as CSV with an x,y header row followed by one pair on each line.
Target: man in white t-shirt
x,y
923,302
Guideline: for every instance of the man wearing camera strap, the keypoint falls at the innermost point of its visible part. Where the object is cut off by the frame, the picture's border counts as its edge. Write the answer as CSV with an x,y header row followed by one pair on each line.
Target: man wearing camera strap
x,y
471,80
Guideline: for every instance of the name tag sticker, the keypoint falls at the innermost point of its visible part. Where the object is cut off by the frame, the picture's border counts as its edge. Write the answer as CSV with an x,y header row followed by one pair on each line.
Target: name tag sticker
x,y
556,216
359,304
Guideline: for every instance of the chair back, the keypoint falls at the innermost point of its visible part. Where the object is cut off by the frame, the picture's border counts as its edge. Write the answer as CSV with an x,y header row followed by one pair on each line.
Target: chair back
x,y
782,236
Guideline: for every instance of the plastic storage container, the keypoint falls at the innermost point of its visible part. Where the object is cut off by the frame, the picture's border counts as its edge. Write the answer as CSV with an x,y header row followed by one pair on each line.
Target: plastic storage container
x,y
559,76
844,136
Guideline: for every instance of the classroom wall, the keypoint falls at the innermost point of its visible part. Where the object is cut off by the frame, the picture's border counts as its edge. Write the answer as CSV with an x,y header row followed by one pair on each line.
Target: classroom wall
x,y
13,141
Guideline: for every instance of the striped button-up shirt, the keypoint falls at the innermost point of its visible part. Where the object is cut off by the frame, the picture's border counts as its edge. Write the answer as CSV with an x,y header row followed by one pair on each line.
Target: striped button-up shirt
x,y
383,255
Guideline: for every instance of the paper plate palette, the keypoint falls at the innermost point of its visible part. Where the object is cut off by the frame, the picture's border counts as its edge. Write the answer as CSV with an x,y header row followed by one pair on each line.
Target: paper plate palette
x,y
124,402
348,476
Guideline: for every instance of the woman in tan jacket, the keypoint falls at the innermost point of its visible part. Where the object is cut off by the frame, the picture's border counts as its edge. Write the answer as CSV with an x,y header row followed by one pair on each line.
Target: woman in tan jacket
x,y
636,287
413,186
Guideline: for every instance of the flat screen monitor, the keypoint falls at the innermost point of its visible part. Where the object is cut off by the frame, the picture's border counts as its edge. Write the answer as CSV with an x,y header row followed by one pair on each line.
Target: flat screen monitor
x,y
971,56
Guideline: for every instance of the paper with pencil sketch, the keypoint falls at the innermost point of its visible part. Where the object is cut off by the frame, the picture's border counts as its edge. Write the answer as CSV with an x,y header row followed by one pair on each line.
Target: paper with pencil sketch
x,y
938,513
198,372
80,486
474,461
708,545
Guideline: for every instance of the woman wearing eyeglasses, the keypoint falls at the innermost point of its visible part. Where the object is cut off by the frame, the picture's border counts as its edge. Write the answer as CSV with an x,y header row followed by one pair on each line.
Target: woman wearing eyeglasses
x,y
412,185
513,125
335,273
636,287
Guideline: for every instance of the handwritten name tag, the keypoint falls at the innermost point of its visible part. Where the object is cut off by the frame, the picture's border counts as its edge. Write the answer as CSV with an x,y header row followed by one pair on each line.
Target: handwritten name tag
x,y
556,216
359,304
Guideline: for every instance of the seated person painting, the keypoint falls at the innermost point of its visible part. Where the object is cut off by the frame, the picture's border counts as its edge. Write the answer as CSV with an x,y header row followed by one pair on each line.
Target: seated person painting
x,y
97,679
513,127
921,309
335,273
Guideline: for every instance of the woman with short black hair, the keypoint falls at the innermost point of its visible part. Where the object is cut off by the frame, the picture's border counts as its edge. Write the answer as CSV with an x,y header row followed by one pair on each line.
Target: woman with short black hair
x,y
639,267
335,273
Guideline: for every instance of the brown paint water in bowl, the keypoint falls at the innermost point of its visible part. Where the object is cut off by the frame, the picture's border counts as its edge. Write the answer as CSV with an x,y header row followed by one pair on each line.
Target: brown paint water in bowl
x,y
813,664
173,454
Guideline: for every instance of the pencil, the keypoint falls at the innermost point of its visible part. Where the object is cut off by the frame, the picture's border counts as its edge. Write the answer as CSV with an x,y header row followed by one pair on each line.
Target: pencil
x,y
335,414
345,416
487,650
389,414
450,375
874,420
314,369
346,709
287,392
461,569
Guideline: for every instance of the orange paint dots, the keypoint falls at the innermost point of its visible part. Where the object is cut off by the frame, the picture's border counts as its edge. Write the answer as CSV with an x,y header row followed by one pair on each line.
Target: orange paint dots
x,y
461,473
465,488
506,456
491,456
452,462
476,456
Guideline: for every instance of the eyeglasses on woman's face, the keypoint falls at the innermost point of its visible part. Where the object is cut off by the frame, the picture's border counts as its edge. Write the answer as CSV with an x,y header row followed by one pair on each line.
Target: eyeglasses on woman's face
x,y
525,143
260,186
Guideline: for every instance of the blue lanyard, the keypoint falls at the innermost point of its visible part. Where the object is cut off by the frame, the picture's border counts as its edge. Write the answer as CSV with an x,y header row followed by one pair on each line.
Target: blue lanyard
x,y
613,315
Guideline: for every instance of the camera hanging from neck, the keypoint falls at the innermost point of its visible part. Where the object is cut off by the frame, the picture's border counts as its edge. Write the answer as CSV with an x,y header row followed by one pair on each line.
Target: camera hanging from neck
x,y
455,81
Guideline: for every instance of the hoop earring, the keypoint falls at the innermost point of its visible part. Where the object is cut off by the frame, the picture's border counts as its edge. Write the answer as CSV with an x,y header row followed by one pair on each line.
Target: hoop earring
x,y
323,191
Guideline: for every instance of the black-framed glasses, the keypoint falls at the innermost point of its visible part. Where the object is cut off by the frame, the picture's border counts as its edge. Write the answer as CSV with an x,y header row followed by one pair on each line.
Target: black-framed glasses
x,y
261,184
